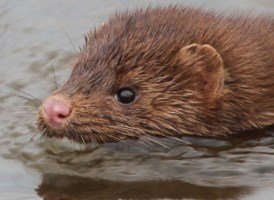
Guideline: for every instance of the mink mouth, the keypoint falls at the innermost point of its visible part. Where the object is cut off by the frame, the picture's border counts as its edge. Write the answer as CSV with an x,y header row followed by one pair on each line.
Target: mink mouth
x,y
77,137
82,137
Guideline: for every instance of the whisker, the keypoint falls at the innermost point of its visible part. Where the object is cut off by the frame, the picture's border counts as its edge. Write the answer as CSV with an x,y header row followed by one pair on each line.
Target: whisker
x,y
107,144
83,139
16,185
19,111
35,133
19,116
31,126
140,131
48,81
20,125
63,51
67,35
23,97
54,76
180,140
157,142
147,141
16,115
136,145
21,91
112,136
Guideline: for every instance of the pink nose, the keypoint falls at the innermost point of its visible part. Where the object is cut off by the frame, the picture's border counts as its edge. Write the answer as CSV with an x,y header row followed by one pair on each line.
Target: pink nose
x,y
56,112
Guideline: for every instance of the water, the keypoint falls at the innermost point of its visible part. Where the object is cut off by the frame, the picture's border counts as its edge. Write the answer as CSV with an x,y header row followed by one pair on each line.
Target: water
x,y
34,43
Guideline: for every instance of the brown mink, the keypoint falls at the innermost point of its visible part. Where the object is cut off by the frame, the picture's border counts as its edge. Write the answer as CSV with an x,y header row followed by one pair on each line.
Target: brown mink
x,y
166,71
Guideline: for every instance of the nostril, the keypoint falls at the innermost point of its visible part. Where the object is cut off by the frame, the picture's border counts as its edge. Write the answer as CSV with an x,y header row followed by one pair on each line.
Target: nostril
x,y
61,116
56,111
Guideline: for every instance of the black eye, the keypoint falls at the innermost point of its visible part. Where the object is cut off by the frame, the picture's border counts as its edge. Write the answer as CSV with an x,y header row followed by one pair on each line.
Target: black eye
x,y
126,95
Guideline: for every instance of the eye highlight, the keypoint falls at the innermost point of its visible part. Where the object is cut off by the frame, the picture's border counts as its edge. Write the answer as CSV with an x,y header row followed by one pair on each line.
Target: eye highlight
x,y
125,95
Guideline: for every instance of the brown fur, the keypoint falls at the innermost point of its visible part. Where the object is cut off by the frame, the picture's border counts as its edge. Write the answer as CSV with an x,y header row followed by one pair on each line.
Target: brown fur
x,y
195,73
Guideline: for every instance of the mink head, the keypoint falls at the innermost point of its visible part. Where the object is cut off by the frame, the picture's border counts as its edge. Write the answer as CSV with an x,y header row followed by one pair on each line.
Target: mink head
x,y
138,75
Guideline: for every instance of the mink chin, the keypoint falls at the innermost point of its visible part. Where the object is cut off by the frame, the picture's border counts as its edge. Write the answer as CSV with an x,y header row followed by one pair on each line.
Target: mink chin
x,y
166,71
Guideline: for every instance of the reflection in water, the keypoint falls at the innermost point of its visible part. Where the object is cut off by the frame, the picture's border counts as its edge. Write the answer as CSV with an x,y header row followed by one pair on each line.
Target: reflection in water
x,y
198,168
64,187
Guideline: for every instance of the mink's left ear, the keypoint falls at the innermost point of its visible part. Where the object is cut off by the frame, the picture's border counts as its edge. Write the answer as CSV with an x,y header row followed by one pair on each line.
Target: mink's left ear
x,y
206,63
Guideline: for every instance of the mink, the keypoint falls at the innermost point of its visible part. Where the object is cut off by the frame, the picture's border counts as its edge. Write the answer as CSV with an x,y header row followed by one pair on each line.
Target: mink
x,y
166,71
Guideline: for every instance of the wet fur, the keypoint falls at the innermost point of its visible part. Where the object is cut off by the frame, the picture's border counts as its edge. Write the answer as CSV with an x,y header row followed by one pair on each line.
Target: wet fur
x,y
140,50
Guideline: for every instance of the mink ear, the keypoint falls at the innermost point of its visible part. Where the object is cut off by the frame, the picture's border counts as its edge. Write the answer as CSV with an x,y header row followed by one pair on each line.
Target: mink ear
x,y
207,64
